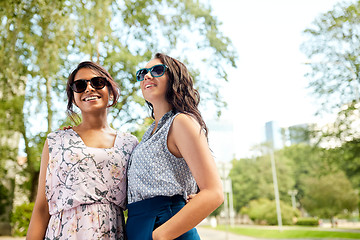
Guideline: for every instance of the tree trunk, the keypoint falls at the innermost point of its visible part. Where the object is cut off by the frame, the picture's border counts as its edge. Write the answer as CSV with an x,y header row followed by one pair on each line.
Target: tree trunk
x,y
49,104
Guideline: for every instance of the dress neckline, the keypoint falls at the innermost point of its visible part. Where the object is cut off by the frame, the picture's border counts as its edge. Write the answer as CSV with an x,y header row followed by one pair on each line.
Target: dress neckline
x,y
161,122
82,141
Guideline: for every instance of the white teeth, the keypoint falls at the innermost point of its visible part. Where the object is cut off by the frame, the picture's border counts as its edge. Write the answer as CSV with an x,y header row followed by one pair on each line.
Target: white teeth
x,y
90,98
150,85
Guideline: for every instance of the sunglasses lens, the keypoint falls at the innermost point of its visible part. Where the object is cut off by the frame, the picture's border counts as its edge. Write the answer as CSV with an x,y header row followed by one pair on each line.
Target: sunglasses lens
x,y
79,86
140,75
158,70
155,71
98,82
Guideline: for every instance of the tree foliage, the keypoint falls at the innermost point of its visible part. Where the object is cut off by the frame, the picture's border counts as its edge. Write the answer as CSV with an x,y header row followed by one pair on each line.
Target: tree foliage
x,y
317,174
332,46
347,158
252,179
43,40
13,77
20,218
307,161
329,195
264,211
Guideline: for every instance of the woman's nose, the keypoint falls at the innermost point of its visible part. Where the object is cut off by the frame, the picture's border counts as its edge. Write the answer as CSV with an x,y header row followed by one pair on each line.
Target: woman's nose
x,y
89,88
148,75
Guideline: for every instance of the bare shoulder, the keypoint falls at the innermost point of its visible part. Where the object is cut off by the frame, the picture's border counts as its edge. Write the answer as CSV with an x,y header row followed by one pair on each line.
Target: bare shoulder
x,y
186,126
185,121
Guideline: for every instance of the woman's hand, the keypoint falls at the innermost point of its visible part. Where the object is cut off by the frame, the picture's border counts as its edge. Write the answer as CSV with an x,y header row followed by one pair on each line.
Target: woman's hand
x,y
189,197
66,128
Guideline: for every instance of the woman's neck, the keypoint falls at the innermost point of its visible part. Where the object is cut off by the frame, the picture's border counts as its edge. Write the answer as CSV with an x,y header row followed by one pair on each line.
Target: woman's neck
x,y
160,111
94,122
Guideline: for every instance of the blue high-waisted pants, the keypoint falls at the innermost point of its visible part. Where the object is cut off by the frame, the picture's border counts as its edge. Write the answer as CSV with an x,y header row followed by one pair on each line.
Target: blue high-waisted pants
x,y
146,215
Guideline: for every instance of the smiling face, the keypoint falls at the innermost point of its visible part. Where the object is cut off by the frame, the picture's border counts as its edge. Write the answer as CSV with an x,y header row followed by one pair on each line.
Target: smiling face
x,y
91,99
154,88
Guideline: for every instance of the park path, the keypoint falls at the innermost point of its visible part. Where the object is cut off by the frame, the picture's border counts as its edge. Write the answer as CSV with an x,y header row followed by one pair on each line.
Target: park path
x,y
205,234
208,234
212,234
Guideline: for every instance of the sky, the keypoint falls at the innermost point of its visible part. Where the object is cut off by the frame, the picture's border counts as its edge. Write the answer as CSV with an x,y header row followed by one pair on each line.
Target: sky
x,y
268,83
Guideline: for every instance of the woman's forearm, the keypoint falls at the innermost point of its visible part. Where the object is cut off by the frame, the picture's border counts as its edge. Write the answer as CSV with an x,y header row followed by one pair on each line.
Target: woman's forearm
x,y
38,224
204,203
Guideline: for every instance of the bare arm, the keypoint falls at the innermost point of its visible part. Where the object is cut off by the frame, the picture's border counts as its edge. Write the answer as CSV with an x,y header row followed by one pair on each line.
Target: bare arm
x,y
186,140
40,215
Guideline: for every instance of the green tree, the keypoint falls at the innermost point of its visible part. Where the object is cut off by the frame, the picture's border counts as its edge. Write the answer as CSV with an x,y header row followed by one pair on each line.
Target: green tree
x,y
13,76
264,211
128,36
332,45
49,38
140,129
252,179
348,158
121,36
329,195
245,181
20,218
307,161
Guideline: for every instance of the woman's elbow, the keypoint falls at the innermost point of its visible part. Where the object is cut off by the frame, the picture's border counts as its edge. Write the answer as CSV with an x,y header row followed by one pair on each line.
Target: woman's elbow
x,y
218,196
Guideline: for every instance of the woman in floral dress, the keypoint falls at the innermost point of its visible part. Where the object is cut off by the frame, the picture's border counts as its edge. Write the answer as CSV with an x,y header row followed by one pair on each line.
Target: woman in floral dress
x,y
82,182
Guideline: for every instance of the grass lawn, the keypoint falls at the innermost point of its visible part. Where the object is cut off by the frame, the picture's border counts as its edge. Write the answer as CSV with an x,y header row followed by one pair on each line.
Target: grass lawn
x,y
296,232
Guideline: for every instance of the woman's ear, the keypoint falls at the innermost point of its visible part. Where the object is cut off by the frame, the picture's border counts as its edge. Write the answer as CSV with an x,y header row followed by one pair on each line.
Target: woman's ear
x,y
74,102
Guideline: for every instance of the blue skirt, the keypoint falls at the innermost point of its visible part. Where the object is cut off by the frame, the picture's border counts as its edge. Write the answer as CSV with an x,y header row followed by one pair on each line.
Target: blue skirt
x,y
146,215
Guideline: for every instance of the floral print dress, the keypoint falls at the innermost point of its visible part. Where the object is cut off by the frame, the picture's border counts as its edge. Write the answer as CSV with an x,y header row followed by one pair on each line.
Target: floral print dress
x,y
86,187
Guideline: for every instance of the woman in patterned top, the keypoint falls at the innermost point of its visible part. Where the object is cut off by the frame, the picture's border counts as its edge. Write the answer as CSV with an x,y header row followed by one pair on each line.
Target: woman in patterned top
x,y
173,159
82,182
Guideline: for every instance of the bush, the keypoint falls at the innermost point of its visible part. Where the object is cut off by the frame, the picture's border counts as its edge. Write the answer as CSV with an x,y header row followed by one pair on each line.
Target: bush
x,y
20,219
264,211
4,198
307,221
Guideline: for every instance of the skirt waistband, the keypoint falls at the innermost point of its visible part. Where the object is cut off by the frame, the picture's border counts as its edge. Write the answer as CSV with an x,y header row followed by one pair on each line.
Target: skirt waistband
x,y
151,204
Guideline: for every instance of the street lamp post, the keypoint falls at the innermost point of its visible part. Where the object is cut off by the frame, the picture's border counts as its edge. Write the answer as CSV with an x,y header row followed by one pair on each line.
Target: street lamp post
x,y
276,188
225,168
293,193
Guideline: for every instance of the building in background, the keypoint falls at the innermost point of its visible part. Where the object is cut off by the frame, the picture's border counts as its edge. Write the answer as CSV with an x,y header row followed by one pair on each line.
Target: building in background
x,y
273,135
280,137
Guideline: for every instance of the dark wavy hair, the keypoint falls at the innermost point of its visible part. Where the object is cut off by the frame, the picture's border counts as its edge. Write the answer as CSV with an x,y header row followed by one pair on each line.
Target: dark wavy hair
x,y
111,84
180,92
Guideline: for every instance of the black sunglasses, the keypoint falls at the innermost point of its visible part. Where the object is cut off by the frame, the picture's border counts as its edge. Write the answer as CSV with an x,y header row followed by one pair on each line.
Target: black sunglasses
x,y
155,71
96,82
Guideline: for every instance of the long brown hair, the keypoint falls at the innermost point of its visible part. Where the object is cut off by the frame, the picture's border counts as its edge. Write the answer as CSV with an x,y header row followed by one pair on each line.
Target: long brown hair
x,y
180,92
111,84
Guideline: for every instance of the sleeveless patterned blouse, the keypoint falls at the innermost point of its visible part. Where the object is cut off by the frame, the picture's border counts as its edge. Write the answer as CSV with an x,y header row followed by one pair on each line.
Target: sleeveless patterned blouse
x,y
86,187
154,171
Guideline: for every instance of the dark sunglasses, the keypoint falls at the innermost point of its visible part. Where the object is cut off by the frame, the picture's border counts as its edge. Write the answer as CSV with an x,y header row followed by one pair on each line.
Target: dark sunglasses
x,y
96,82
155,71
